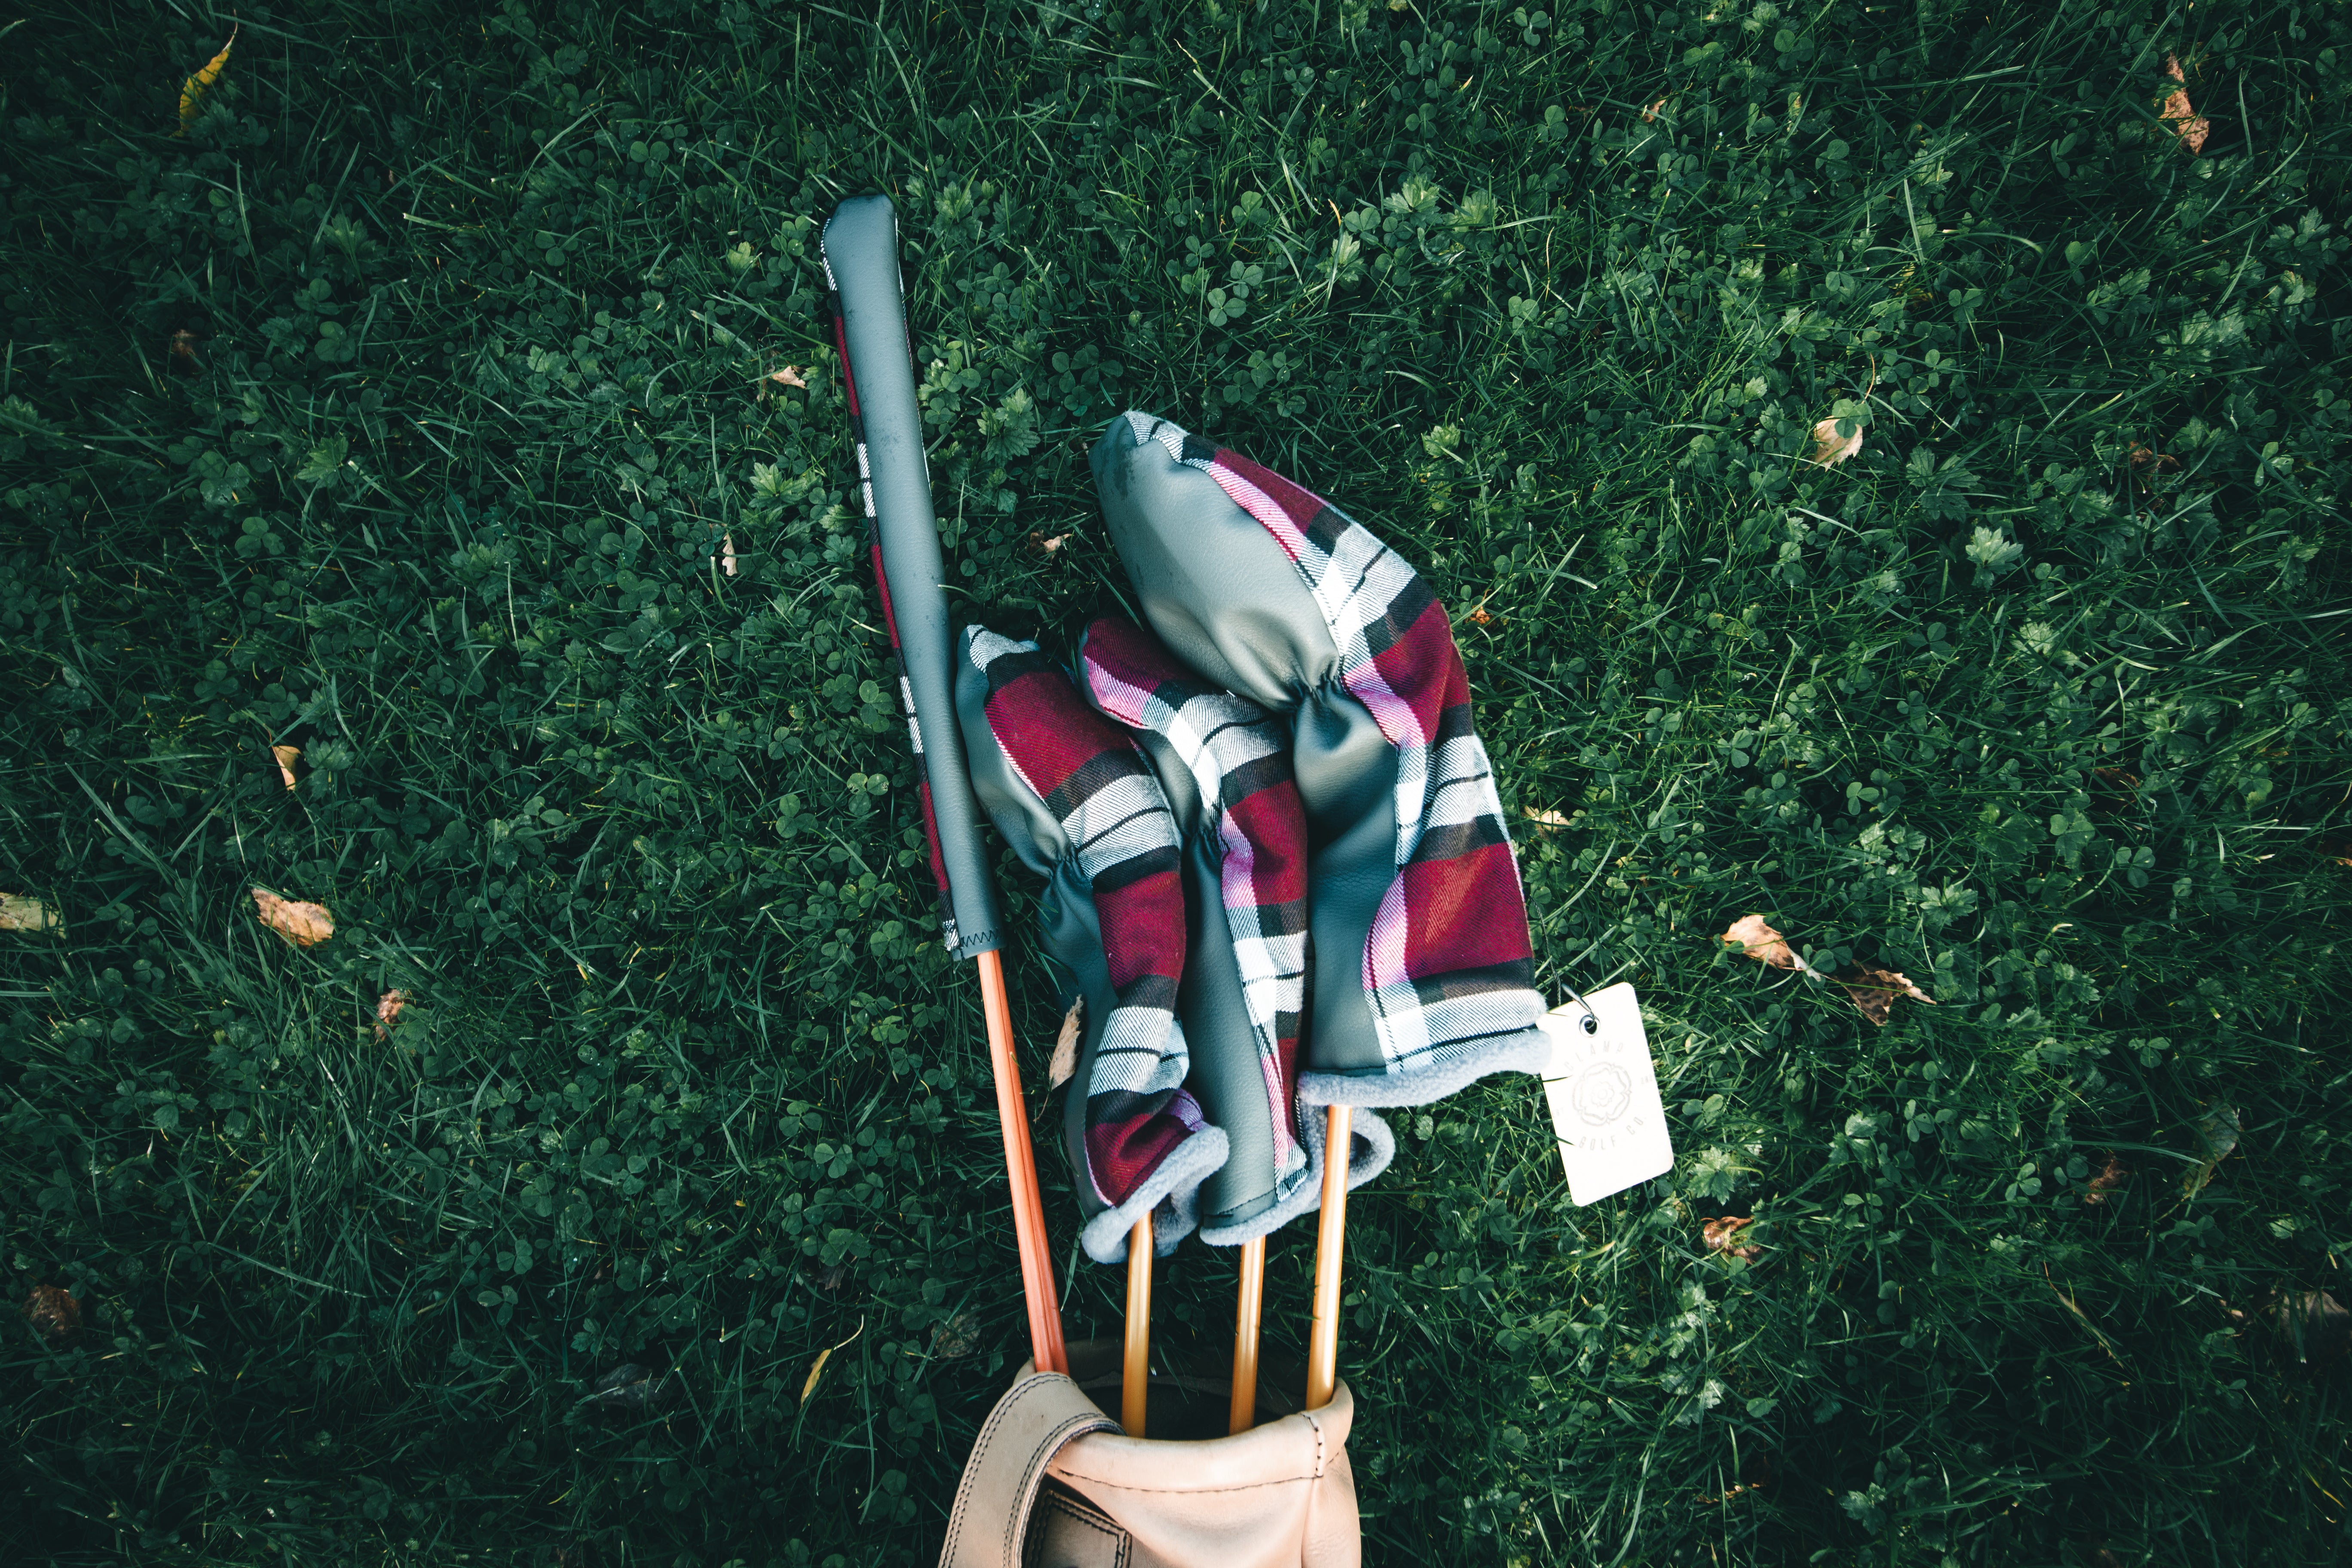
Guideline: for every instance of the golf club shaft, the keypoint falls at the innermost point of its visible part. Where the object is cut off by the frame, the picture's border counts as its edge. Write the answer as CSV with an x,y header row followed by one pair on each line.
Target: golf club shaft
x,y
1330,1245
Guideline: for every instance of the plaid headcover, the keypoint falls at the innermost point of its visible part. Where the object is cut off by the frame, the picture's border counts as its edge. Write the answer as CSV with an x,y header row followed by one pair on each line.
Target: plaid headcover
x,y
1093,781
890,621
1448,959
1238,755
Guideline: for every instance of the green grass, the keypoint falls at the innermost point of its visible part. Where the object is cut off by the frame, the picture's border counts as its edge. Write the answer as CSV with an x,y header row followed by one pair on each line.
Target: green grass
x,y
478,315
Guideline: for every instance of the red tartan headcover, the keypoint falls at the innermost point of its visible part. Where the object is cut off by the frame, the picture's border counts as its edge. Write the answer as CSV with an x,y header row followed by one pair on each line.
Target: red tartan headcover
x,y
1238,758
1111,839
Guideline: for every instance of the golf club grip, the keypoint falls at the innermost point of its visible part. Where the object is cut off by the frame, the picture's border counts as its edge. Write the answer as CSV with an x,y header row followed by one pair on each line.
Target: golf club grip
x,y
861,258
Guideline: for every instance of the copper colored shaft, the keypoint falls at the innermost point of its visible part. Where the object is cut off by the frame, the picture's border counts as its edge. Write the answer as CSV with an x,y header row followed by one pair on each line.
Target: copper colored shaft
x,y
1136,1381
1251,1298
1330,1241
1021,1165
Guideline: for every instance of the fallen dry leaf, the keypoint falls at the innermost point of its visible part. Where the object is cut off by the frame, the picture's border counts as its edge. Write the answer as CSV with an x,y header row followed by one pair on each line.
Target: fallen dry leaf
x,y
194,90
2218,1131
788,376
958,1336
727,559
1064,1063
1543,819
304,925
20,913
821,1357
53,1311
2111,1177
1762,943
388,1008
1651,112
183,345
1830,448
287,757
1481,616
1874,991
1723,1236
1041,546
630,1388
2191,127
2316,1324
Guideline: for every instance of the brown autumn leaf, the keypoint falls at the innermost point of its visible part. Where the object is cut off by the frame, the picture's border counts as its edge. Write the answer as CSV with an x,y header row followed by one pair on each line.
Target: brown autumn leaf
x,y
1723,1236
726,558
788,376
1064,1063
2110,1178
388,1008
18,913
1480,615
958,1336
287,757
1830,448
2218,1131
1543,819
2173,109
304,925
1874,991
183,345
1652,112
2315,1324
1762,943
1041,546
54,1312
2147,463
630,1388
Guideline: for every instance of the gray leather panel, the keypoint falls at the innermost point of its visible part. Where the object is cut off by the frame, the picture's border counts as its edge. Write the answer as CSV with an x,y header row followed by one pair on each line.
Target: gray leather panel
x,y
1198,562
1225,1077
861,247
1072,940
1347,779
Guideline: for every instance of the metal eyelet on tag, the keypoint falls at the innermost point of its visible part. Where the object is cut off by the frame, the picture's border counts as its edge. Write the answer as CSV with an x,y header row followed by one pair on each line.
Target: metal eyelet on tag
x,y
1591,1024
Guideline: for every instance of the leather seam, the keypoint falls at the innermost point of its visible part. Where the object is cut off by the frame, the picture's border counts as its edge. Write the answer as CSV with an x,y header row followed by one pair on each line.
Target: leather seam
x,y
987,1429
1075,1476
1069,1430
989,1432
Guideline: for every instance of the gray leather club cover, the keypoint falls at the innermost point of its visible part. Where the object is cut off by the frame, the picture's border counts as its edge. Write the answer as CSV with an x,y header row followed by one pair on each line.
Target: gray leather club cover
x,y
1423,975
860,248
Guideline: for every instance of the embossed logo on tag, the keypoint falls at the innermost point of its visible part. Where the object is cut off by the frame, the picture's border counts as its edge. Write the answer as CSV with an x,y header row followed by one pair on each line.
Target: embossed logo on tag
x,y
1603,1092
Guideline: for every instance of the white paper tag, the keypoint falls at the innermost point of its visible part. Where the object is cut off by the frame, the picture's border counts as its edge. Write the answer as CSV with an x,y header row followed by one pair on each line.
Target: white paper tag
x,y
1605,1110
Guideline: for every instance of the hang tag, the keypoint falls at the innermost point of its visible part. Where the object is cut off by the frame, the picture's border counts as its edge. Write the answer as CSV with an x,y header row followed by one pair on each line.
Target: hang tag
x,y
1605,1110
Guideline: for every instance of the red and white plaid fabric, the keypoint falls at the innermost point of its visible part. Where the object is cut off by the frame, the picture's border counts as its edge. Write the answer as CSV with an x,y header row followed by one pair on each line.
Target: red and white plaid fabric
x,y
1092,779
1238,756
1449,959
